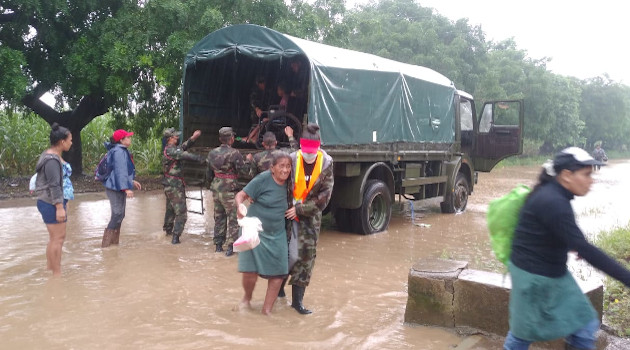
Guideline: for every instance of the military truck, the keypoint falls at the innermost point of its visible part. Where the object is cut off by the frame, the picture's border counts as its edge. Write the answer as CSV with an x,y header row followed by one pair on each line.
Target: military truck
x,y
391,128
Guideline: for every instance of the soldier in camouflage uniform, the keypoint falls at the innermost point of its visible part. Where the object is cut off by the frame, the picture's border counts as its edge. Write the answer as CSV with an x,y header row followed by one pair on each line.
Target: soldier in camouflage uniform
x,y
263,159
312,183
225,164
174,185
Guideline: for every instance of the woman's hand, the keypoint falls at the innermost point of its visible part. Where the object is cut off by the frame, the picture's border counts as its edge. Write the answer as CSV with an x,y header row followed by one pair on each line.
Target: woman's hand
x,y
137,185
290,213
129,193
61,214
241,197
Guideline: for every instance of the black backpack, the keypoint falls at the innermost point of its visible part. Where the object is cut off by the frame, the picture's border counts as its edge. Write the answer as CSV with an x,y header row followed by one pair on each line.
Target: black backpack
x,y
102,172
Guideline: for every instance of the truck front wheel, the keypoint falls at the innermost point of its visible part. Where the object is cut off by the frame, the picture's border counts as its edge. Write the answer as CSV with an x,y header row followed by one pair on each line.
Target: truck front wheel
x,y
376,209
457,201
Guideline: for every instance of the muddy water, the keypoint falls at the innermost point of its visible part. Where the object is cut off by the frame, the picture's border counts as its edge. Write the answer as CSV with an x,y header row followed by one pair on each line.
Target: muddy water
x,y
149,294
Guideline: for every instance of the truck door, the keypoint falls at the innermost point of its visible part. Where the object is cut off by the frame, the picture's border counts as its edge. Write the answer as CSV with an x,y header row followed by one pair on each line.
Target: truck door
x,y
499,133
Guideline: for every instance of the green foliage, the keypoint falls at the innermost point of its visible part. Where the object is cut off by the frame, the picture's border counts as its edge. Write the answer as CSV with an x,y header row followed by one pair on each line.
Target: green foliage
x,y
616,297
25,137
147,155
12,80
22,140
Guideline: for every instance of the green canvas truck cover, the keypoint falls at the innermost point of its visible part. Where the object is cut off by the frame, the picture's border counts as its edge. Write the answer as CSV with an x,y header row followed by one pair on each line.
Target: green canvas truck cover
x,y
356,98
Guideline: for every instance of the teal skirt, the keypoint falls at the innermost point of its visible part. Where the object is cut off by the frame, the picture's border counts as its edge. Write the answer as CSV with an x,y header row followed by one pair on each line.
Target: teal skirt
x,y
269,258
545,308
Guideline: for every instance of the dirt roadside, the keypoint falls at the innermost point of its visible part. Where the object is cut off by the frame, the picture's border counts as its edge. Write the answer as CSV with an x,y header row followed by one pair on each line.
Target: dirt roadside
x,y
17,187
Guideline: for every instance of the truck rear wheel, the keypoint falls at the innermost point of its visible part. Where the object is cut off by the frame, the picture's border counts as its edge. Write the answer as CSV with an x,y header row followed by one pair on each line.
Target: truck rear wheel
x,y
376,209
457,201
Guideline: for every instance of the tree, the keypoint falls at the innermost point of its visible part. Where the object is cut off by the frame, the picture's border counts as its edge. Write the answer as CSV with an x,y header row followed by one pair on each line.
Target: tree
x,y
48,35
605,109
120,56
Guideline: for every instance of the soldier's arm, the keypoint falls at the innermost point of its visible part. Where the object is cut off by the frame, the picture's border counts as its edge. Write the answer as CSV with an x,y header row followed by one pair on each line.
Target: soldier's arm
x,y
180,154
209,171
187,144
318,203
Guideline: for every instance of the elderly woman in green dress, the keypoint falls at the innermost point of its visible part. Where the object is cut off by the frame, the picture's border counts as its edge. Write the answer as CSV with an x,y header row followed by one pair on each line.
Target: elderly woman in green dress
x,y
268,193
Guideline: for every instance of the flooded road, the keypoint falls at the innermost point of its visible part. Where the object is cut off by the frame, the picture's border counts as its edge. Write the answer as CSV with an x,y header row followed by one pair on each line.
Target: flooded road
x,y
149,294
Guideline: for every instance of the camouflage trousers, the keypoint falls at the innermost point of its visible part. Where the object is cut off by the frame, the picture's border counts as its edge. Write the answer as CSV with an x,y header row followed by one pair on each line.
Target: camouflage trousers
x,y
308,235
225,224
176,212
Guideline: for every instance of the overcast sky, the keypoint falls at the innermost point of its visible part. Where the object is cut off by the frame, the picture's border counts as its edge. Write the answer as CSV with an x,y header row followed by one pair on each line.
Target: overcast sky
x,y
584,39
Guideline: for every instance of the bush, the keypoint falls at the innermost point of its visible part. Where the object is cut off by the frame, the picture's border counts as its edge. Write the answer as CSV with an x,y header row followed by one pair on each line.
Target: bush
x,y
616,297
26,136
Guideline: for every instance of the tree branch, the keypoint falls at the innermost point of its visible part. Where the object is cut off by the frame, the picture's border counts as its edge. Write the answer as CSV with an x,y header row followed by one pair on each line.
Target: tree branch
x,y
38,106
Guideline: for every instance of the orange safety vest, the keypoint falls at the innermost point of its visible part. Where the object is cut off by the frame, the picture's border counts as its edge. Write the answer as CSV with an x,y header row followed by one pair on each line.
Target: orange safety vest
x,y
300,190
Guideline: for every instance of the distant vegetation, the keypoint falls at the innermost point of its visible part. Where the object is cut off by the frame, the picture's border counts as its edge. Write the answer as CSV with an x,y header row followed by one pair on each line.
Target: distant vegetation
x,y
123,59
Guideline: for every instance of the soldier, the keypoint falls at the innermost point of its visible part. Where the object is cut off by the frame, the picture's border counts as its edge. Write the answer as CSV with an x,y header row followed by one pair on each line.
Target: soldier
x,y
225,164
599,154
312,183
262,160
174,185
259,102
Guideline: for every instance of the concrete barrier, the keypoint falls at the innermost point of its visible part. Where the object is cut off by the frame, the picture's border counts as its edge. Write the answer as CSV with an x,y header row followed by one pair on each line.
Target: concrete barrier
x,y
445,293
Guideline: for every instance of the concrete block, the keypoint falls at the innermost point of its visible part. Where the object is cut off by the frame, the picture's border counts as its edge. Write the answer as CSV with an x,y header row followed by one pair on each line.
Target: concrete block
x,y
481,301
430,292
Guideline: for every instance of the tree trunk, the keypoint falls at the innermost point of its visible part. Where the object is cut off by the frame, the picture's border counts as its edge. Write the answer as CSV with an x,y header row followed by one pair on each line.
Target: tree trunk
x,y
75,120
74,156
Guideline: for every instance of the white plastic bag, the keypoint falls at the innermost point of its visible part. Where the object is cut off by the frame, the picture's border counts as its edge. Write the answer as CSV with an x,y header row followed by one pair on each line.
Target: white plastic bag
x,y
31,184
250,227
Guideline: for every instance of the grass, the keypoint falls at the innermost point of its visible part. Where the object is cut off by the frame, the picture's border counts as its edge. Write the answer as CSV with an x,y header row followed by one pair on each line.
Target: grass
x,y
616,243
26,136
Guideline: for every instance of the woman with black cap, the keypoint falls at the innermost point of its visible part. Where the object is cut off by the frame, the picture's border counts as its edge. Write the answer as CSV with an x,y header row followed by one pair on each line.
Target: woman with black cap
x,y
545,302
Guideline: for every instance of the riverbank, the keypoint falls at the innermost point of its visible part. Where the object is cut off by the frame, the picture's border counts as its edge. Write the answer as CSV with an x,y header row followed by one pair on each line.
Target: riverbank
x,y
17,187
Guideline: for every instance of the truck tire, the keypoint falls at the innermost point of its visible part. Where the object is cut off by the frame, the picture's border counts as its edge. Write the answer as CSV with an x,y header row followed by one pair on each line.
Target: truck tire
x,y
343,218
376,209
457,201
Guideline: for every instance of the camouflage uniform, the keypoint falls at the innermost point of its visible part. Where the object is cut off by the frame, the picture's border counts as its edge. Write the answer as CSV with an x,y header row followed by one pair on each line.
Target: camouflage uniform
x,y
174,186
262,160
309,214
225,164
600,155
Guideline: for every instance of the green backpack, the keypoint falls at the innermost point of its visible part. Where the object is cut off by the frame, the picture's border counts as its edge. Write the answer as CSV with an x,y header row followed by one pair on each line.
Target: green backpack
x,y
502,218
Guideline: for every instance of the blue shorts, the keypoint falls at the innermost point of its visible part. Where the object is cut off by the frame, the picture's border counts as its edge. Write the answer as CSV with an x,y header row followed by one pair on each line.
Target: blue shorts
x,y
49,211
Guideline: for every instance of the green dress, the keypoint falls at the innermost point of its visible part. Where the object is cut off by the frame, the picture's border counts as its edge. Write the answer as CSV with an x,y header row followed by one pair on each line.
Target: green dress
x,y
544,308
270,257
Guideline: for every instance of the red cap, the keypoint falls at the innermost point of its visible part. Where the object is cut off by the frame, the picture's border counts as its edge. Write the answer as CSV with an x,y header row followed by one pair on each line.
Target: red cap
x,y
120,134
309,146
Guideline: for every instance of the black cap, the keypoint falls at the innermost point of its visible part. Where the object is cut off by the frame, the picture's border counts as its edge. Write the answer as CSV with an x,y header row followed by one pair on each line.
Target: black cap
x,y
573,158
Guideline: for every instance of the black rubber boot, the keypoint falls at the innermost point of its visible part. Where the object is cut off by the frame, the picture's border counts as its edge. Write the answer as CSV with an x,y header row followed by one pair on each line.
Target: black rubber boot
x,y
219,248
281,293
298,295
175,239
230,250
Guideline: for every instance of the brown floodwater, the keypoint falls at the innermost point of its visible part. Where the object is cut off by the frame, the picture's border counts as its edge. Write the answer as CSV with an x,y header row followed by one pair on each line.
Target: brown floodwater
x,y
149,294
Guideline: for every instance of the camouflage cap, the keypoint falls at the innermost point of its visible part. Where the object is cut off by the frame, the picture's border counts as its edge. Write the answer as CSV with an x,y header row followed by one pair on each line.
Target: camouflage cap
x,y
170,132
226,131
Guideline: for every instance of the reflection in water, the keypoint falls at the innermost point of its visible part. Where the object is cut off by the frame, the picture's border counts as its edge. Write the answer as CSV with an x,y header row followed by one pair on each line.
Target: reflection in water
x,y
149,294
